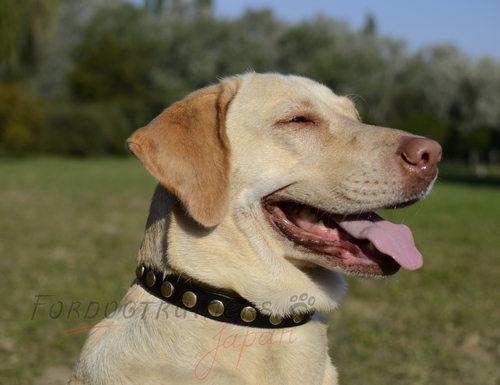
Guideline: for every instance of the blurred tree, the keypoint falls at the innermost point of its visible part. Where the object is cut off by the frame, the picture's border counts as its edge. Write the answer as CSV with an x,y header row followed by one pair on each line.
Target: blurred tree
x,y
154,6
197,52
480,139
72,18
427,125
250,43
445,69
144,59
113,62
84,129
370,27
134,58
22,118
180,9
25,30
308,49
486,75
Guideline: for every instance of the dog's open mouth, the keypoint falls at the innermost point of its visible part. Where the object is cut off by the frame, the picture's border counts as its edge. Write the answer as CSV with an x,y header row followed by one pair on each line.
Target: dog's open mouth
x,y
363,244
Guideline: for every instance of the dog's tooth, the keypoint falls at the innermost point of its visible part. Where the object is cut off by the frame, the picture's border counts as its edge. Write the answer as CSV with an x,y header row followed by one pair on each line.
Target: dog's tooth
x,y
371,247
321,225
334,231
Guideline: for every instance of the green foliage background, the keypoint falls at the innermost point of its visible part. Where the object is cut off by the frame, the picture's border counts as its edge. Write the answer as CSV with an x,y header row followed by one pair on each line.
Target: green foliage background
x,y
135,58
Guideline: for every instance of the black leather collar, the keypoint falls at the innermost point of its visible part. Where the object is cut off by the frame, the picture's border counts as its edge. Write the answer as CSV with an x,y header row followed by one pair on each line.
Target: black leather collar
x,y
220,307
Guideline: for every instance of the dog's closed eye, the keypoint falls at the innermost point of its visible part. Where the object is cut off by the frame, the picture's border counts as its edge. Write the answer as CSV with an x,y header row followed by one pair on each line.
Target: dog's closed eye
x,y
299,119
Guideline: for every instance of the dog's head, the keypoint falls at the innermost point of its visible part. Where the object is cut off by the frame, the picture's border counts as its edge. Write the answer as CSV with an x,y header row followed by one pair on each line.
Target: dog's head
x,y
290,164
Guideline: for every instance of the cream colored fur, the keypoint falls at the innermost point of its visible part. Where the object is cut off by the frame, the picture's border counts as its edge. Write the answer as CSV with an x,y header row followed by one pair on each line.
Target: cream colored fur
x,y
218,153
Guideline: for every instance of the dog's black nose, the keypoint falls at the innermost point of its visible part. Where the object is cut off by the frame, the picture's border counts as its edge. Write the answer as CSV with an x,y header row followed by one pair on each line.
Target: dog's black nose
x,y
420,154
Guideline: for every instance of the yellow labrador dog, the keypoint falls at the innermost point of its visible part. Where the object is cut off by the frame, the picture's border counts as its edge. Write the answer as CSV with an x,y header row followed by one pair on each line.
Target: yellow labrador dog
x,y
267,190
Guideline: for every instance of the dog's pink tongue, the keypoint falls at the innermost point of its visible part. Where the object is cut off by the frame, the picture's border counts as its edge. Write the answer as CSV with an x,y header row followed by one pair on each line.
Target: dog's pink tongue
x,y
389,238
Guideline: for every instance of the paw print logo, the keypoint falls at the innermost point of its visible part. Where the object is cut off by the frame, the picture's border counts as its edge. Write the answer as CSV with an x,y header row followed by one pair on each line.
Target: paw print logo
x,y
302,304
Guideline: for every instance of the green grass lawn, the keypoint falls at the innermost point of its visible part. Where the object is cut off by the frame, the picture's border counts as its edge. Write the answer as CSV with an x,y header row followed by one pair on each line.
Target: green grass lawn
x,y
70,229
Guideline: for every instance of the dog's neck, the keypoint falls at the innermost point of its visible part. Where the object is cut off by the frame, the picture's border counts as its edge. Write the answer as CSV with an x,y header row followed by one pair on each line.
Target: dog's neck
x,y
171,284
174,244
212,304
153,250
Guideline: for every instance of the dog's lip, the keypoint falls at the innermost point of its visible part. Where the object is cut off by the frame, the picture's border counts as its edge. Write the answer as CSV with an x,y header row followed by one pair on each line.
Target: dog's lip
x,y
362,243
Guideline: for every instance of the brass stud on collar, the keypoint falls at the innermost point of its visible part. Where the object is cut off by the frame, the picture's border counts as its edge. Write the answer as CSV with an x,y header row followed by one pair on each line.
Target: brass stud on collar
x,y
248,314
275,320
150,278
167,289
216,308
189,299
139,271
297,318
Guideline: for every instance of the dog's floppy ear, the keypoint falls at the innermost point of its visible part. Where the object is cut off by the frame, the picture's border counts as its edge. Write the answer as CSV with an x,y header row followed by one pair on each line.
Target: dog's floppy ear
x,y
187,150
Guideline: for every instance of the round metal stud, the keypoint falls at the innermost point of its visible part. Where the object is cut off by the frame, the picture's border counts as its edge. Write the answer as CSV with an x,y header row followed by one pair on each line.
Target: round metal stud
x,y
275,320
297,318
139,271
167,289
248,314
189,299
216,308
150,278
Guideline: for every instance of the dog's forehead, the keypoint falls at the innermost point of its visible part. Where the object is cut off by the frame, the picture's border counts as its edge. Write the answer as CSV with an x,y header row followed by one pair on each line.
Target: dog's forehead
x,y
271,92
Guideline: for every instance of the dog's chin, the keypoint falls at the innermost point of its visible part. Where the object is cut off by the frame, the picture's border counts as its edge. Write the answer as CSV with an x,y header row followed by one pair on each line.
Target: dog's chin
x,y
362,244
